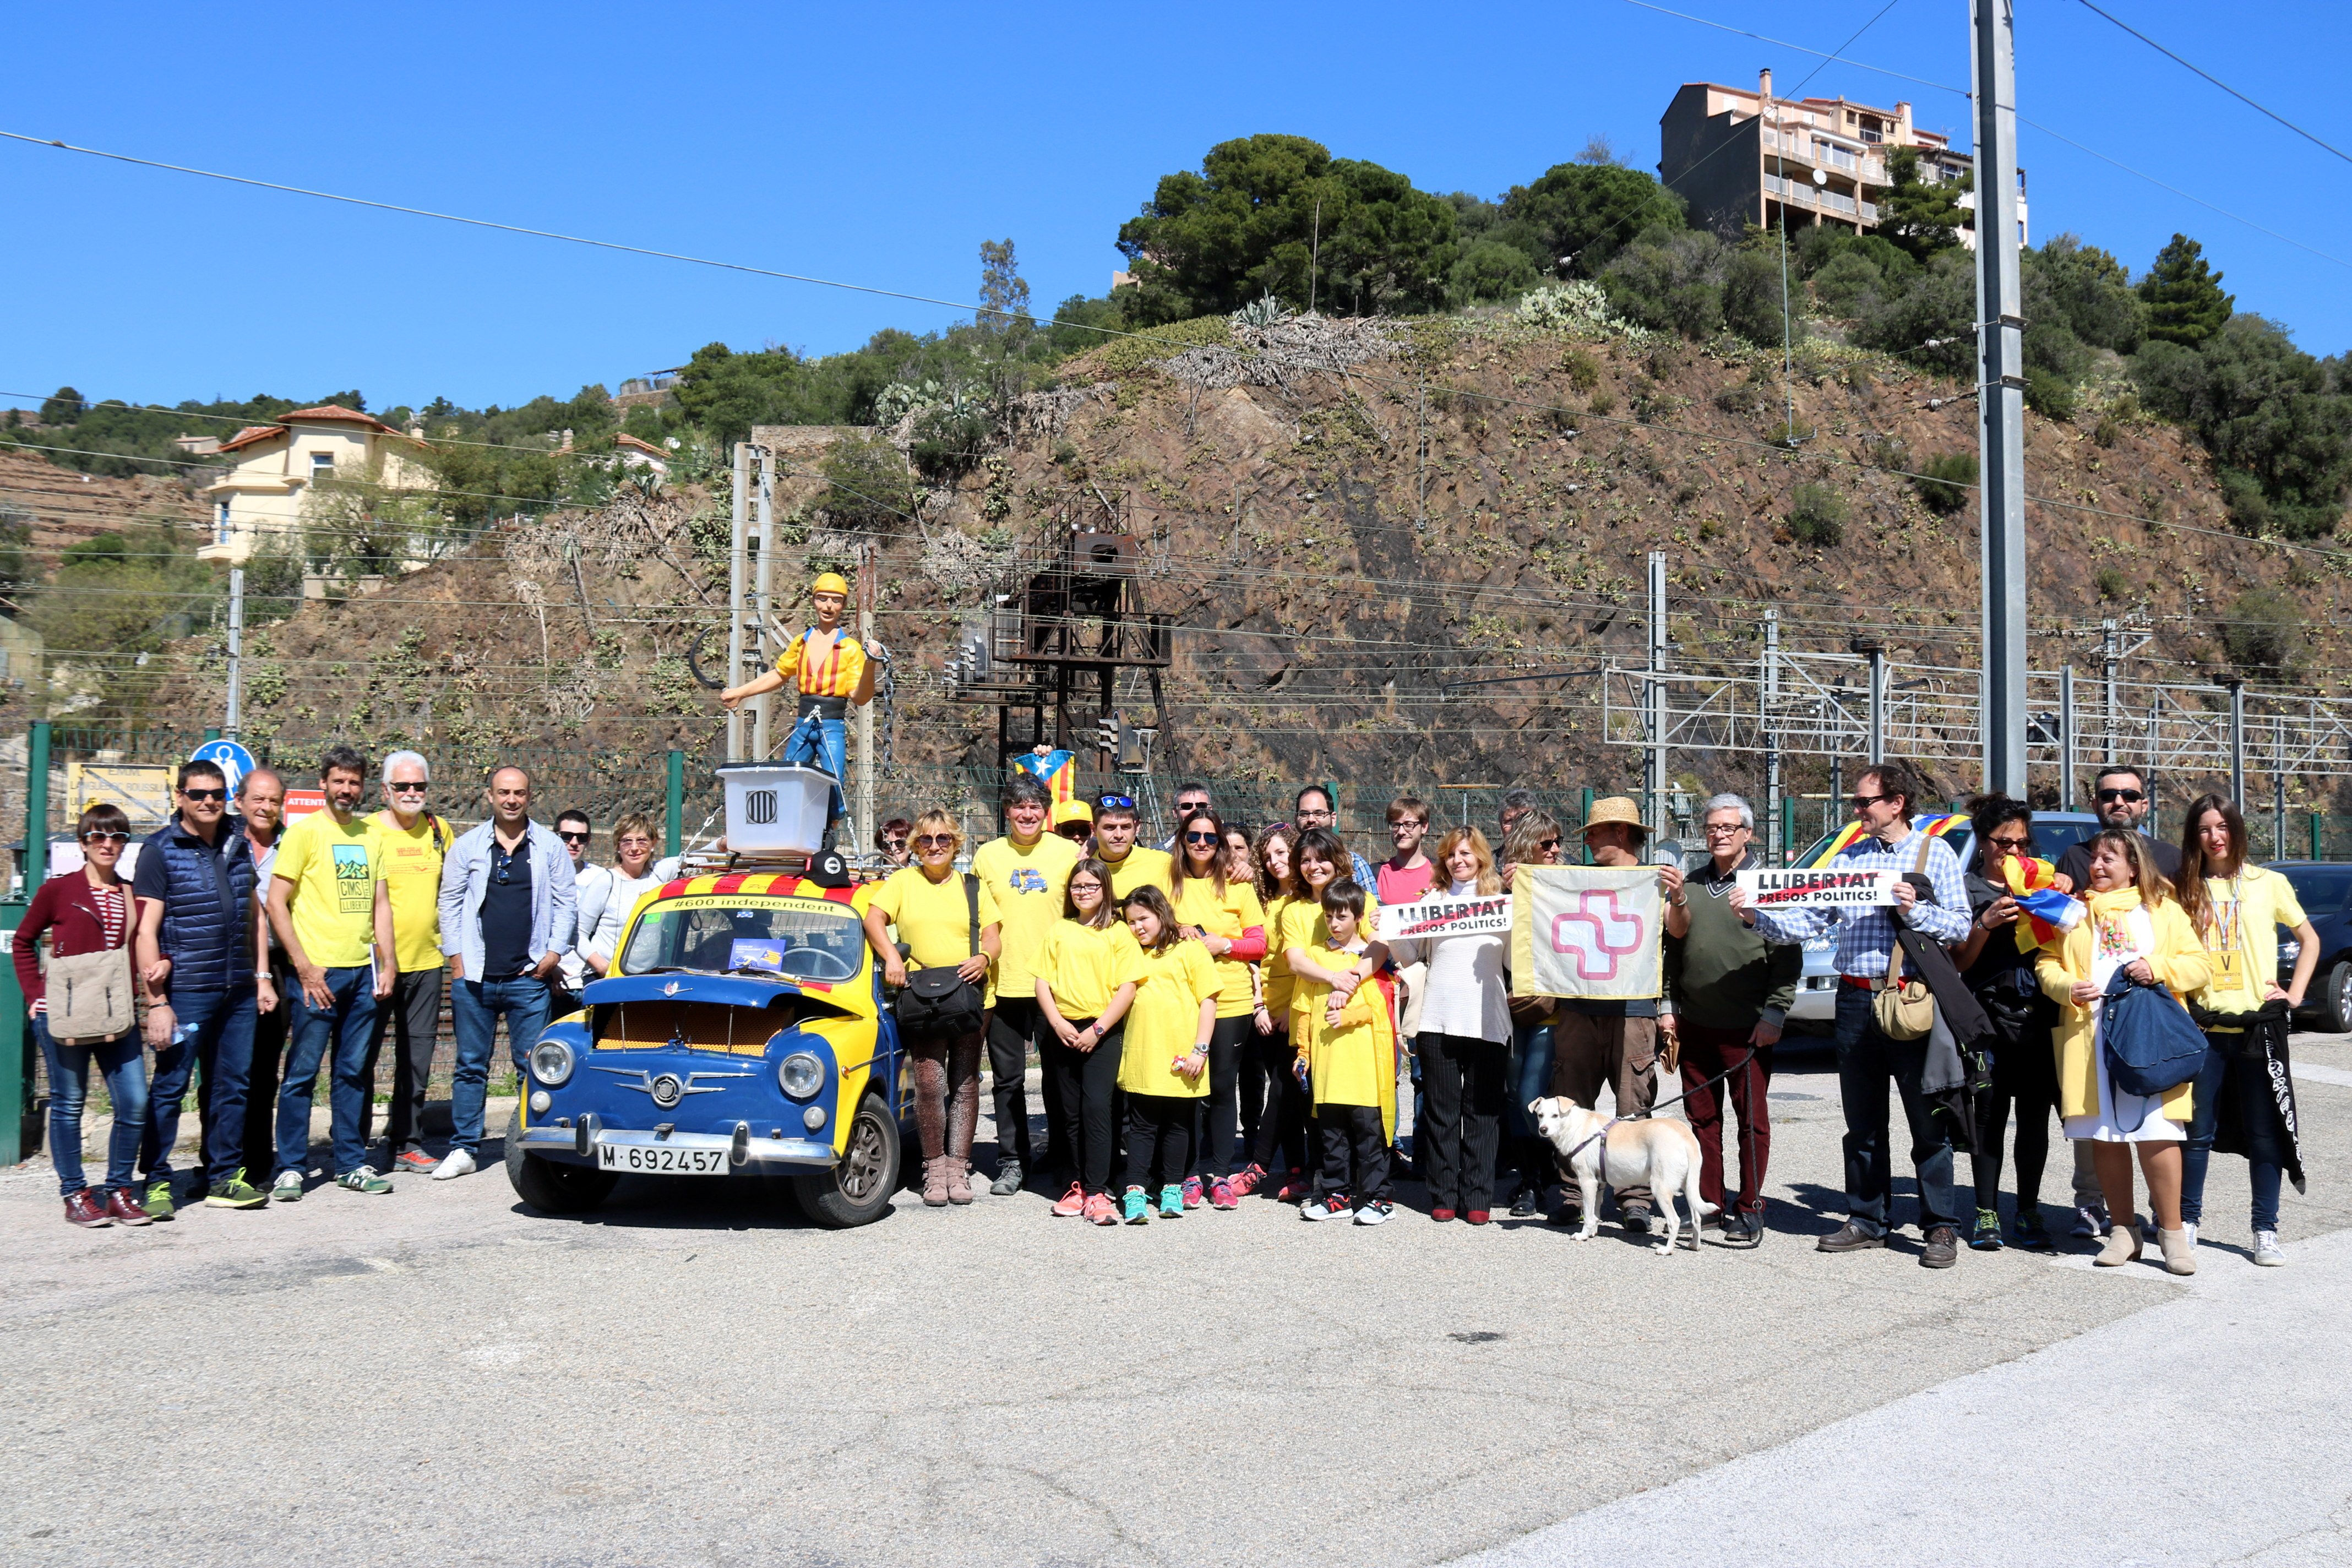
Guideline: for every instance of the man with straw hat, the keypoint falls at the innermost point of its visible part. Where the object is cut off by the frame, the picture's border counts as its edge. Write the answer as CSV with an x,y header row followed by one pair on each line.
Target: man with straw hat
x,y
832,672
1614,1042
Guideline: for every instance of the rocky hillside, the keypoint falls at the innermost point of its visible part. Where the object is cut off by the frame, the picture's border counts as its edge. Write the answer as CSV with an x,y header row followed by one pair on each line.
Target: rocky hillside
x,y
1343,517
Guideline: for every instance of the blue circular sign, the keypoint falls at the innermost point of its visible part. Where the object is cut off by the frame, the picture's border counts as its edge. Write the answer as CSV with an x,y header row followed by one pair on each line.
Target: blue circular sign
x,y
232,759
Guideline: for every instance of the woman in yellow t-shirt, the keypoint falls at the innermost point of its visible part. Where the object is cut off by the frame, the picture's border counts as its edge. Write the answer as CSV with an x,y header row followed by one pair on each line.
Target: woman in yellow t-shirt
x,y
1087,970
1223,914
1164,1064
2237,912
933,908
1277,1133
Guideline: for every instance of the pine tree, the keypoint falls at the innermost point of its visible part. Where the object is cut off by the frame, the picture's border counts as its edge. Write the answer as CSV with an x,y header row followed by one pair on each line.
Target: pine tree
x,y
2185,302
1921,216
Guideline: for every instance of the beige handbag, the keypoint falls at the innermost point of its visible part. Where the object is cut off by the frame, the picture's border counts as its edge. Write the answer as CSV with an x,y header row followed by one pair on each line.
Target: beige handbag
x,y
1903,1008
90,997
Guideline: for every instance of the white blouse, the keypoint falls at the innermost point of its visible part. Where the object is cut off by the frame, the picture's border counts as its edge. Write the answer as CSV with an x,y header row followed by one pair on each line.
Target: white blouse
x,y
1462,993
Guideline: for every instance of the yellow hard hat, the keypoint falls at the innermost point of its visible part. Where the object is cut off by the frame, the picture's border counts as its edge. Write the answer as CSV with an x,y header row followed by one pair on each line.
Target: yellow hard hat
x,y
830,582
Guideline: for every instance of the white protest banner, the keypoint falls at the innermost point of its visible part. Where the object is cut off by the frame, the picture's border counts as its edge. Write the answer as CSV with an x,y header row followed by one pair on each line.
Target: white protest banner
x,y
1481,914
1586,931
1818,890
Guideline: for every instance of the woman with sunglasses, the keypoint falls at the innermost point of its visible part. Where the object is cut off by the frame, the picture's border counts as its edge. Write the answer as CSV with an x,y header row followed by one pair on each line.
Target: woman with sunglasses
x,y
1223,915
82,913
1534,840
933,909
1999,971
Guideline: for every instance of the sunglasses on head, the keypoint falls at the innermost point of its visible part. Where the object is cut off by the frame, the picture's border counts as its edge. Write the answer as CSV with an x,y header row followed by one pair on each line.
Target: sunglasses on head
x,y
105,836
2132,795
1118,801
204,793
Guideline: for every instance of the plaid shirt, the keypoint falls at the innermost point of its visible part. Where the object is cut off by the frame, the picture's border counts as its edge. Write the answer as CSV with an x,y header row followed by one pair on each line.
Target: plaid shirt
x,y
1865,937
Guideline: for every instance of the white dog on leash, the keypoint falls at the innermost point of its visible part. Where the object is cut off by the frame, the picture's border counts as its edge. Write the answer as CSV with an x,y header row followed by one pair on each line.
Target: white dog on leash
x,y
1660,1152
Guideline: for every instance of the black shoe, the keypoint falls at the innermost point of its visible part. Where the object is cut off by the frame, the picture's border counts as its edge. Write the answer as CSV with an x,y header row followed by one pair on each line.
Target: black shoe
x,y
1008,1179
1525,1206
1943,1248
1849,1237
1567,1213
1743,1230
1634,1218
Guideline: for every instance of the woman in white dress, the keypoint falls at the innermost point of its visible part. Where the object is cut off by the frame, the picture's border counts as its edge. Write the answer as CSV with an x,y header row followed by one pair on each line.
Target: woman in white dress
x,y
2134,924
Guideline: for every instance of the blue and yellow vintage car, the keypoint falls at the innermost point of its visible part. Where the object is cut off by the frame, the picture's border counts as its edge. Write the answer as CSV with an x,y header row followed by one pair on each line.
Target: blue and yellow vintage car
x,y
741,1032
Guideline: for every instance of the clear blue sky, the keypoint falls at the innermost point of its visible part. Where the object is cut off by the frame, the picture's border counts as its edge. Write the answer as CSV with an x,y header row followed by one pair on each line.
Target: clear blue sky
x,y
882,143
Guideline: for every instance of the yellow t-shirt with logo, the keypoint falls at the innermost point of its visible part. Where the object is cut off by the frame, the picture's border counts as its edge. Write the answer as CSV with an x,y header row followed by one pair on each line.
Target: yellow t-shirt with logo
x,y
934,919
1227,915
1165,1022
1029,885
1142,868
334,870
1084,967
2248,911
411,875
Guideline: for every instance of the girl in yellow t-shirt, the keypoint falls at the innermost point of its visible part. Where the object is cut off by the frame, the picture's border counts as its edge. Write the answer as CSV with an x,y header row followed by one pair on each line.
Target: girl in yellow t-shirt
x,y
1087,971
1164,1065
1279,1140
1221,912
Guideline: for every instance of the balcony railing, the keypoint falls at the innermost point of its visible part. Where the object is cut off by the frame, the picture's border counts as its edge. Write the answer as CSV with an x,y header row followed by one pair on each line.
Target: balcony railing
x,y
1804,147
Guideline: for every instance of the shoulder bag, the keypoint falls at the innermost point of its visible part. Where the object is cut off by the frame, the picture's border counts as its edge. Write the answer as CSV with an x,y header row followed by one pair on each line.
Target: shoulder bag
x,y
90,997
1904,1008
940,1000
2150,1040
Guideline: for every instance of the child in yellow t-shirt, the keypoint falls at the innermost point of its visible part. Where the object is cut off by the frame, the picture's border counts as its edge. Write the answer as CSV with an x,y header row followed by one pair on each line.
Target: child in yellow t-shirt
x,y
1088,969
1347,1049
1164,1065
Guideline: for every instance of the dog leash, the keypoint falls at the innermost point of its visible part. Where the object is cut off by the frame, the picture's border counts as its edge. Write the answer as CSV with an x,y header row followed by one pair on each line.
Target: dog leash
x,y
1641,1115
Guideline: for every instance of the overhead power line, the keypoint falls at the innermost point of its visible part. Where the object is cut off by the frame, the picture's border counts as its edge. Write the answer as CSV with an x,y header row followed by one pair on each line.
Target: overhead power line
x,y
2217,81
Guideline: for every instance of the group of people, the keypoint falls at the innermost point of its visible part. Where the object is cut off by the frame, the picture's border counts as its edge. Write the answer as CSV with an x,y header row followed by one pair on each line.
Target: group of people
x,y
250,952
1222,1016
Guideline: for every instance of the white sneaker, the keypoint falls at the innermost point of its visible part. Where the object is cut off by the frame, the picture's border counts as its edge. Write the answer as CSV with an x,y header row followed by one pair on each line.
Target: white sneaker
x,y
1375,1213
457,1164
2089,1221
2190,1226
2267,1251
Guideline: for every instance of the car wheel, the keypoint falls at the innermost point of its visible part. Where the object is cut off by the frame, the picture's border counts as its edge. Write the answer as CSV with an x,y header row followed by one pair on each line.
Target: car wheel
x,y
858,1189
549,1187
2335,1012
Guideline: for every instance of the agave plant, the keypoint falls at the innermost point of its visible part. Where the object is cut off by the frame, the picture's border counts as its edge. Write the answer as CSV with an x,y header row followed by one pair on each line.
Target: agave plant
x,y
1264,312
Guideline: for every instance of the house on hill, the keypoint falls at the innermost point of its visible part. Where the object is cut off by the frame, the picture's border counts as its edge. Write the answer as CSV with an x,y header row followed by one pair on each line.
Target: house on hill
x,y
258,502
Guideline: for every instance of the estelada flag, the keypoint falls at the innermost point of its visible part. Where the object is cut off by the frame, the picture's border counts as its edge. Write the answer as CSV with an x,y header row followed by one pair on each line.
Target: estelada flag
x,y
1059,770
1938,826
2048,912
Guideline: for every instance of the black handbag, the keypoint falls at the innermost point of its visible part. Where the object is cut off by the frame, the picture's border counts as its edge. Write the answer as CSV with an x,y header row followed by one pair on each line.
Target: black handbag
x,y
941,1001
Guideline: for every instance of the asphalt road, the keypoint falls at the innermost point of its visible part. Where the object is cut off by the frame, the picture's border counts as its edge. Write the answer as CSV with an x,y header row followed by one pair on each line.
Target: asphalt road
x,y
693,1375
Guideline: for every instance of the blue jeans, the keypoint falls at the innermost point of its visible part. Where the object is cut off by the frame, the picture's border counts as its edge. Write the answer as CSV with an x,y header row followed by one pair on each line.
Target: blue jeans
x,y
2213,1081
125,1067
1866,1059
215,1034
1534,1058
825,743
475,1008
348,1022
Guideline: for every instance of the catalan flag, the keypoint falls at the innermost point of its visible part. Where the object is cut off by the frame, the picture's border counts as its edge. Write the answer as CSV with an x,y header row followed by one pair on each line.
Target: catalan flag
x,y
2048,912
1059,770
1937,823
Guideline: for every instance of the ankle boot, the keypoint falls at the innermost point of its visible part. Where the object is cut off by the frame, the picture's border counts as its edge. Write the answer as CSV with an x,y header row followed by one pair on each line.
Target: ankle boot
x,y
935,1182
2122,1247
959,1180
2179,1251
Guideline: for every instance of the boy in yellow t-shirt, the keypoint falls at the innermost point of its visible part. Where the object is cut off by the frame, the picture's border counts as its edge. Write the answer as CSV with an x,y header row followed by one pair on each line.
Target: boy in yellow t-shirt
x,y
1164,1066
1348,1048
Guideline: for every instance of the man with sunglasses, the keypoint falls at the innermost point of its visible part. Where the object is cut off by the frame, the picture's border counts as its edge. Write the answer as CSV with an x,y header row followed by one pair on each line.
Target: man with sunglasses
x,y
508,914
2121,797
201,930
1027,872
333,915
415,843
593,884
1867,1058
1189,798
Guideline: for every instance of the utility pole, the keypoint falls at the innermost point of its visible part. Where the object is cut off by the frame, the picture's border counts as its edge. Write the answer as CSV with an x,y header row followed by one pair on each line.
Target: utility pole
x,y
2000,398
763,583
235,652
2066,738
2278,786
737,547
1875,651
1770,723
2237,742
863,828
2113,657
1653,702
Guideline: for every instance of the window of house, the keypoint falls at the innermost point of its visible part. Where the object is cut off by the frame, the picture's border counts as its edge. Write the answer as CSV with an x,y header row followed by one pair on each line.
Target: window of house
x,y
322,466
220,523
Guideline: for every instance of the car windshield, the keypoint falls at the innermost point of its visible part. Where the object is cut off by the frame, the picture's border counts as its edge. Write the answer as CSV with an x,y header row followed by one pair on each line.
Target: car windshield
x,y
2320,889
720,935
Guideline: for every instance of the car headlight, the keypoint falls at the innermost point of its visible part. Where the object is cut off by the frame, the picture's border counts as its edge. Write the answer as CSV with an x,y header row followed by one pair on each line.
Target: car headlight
x,y
801,1075
551,1062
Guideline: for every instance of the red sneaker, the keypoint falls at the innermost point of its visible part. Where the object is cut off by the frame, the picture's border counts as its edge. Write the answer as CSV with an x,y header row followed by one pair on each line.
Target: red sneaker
x,y
1477,1216
1100,1210
1073,1202
1248,1179
120,1205
1192,1192
1295,1186
1221,1195
1440,1216
82,1209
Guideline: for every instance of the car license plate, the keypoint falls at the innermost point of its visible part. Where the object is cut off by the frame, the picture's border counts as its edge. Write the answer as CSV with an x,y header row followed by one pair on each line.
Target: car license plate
x,y
661,1160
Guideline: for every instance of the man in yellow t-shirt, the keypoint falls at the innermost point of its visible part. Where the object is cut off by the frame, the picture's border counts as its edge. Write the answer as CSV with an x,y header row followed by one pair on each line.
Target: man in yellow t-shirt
x,y
1130,868
1026,872
415,842
833,675
332,914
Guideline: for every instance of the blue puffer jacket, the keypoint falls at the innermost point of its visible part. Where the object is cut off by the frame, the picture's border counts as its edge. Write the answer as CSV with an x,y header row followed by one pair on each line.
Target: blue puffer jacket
x,y
208,908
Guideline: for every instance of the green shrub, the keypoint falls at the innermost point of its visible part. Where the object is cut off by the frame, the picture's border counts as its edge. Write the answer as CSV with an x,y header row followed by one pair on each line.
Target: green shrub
x,y
1583,371
2113,583
2264,631
2049,395
1817,516
1944,481
1128,355
1603,404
